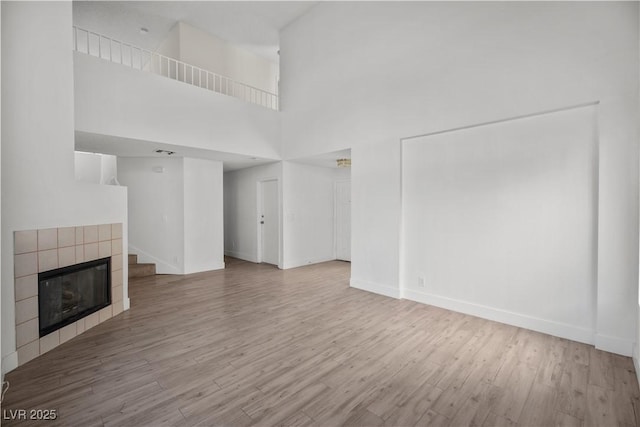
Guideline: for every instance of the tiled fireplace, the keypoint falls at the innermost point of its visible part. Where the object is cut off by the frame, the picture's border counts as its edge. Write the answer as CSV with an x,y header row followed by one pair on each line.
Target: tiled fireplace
x,y
37,251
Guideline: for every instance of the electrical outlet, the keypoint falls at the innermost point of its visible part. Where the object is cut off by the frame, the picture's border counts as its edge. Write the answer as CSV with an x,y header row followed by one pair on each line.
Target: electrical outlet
x,y
421,281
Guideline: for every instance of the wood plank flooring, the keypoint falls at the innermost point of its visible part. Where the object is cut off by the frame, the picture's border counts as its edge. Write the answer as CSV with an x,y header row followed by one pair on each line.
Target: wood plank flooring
x,y
254,345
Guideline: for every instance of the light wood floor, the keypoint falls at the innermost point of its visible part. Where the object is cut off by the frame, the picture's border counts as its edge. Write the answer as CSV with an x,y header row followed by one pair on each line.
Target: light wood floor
x,y
256,345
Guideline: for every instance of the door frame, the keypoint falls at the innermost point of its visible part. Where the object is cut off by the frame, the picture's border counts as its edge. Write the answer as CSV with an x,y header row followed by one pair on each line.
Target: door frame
x,y
259,200
335,216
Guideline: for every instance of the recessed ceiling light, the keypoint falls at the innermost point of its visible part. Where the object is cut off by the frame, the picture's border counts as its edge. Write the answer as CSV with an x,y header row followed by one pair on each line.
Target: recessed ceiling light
x,y
144,30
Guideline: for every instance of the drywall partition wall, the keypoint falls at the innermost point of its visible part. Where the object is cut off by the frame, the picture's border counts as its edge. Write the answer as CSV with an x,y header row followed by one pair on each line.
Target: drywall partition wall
x,y
342,174
95,168
214,54
156,210
203,216
308,206
108,169
375,217
241,209
366,74
636,349
175,212
500,221
170,47
38,185
2,366
112,99
88,167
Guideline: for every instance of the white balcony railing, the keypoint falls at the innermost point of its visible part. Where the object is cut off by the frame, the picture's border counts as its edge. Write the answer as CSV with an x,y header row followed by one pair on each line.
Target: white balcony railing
x,y
104,47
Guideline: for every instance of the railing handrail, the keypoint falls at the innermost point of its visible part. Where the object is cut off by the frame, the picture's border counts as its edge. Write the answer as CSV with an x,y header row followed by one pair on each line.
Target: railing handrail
x,y
270,101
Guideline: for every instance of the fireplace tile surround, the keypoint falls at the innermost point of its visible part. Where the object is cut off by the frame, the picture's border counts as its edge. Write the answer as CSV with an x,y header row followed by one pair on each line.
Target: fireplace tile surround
x,y
41,250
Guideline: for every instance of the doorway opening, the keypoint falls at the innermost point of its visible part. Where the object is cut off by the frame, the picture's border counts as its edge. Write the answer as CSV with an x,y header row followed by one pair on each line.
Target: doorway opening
x,y
268,222
343,220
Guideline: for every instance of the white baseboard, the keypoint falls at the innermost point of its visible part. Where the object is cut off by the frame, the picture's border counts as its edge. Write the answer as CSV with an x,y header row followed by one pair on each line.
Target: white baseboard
x,y
9,363
241,255
303,262
614,345
126,303
376,288
200,269
550,327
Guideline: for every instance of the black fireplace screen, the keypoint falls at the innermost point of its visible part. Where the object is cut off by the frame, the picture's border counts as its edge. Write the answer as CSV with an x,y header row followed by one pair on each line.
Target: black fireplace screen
x,y
71,293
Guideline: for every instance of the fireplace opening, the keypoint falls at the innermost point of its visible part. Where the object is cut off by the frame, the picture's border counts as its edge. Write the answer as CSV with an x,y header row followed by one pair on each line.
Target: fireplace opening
x,y
70,293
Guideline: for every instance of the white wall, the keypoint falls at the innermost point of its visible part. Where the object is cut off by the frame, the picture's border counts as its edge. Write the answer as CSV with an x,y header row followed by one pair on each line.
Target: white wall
x,y
175,216
375,217
342,174
365,75
88,167
203,216
309,215
156,210
170,47
214,54
95,168
500,221
241,209
2,368
636,354
114,100
108,169
38,186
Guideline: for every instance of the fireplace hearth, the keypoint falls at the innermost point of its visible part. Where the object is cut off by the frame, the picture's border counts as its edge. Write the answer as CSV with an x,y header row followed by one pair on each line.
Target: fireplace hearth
x,y
73,292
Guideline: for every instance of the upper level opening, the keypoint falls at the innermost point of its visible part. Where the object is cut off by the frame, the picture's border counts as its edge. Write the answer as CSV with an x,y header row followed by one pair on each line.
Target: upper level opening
x,y
228,47
238,63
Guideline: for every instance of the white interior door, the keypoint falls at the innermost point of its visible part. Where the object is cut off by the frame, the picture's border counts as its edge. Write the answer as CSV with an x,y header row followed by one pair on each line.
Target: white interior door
x,y
343,220
269,222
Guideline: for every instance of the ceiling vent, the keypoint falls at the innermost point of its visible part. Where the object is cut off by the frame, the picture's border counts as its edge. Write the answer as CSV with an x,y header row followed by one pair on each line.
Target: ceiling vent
x,y
167,152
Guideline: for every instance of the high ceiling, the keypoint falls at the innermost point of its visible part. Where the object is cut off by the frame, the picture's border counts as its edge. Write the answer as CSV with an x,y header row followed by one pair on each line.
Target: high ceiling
x,y
253,25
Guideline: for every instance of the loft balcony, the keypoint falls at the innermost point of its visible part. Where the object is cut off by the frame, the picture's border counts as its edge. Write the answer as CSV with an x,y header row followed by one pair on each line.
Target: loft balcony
x,y
142,100
138,58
